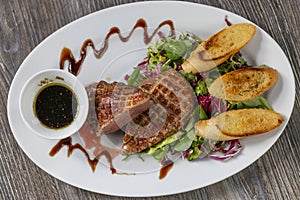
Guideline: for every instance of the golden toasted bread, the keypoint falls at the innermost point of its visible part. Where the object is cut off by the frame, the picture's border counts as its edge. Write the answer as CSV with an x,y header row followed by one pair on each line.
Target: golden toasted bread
x,y
235,124
219,47
243,84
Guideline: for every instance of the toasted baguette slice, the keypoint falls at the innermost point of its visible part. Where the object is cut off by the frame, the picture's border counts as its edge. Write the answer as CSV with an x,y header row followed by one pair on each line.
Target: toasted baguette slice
x,y
235,124
219,47
243,84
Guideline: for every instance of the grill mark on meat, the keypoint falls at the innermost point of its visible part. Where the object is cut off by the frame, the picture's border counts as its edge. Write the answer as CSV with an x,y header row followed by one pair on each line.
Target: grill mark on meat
x,y
149,128
117,104
170,89
175,102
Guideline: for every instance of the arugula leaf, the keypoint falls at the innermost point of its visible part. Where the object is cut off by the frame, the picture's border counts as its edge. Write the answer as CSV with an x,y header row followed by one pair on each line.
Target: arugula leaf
x,y
135,78
159,154
185,142
257,102
165,142
202,113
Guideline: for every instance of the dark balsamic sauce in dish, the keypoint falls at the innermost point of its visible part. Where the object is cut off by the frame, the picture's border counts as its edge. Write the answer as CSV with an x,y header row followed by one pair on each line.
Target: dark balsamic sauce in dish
x,y
91,139
55,106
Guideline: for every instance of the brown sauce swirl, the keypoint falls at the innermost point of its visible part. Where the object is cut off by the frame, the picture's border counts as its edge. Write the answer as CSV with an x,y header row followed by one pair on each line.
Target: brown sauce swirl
x,y
68,142
75,65
91,141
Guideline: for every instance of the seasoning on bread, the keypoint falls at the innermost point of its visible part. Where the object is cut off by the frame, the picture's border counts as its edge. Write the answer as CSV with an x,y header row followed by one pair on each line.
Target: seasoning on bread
x,y
243,84
236,124
219,47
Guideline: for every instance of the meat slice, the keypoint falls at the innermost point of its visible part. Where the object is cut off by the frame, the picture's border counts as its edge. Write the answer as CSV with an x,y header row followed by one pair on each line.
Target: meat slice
x,y
117,104
175,102
149,128
172,91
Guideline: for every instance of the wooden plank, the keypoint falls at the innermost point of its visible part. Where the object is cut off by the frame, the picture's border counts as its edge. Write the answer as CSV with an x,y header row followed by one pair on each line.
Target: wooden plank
x,y
24,24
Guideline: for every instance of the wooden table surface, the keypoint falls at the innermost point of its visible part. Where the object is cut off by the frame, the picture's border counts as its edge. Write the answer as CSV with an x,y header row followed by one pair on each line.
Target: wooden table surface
x,y
24,24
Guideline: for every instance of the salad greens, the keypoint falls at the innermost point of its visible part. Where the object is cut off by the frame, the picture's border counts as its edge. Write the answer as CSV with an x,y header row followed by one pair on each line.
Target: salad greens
x,y
169,53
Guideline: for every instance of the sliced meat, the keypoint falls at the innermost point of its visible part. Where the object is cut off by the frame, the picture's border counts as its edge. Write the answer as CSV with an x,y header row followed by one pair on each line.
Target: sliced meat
x,y
172,91
117,104
175,102
149,128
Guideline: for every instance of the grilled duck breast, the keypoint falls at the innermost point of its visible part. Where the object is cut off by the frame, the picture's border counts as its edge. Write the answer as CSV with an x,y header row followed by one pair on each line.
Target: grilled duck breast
x,y
174,102
117,104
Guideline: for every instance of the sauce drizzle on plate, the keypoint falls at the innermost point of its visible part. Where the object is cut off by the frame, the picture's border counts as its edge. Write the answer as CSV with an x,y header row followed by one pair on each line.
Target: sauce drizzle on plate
x,y
68,142
71,147
167,166
74,66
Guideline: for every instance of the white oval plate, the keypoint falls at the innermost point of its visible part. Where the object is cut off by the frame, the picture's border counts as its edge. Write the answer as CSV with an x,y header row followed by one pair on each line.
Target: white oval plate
x,y
199,19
